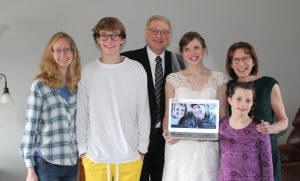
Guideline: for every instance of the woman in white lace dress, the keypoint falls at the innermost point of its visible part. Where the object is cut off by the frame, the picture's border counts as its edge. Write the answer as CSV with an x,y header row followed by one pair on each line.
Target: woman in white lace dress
x,y
186,159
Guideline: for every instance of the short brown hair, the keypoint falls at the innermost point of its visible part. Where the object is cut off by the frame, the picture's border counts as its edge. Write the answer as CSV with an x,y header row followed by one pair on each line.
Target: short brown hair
x,y
249,50
109,24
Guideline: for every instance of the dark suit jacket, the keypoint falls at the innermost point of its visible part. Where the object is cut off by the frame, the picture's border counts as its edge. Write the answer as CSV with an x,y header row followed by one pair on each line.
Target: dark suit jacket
x,y
141,56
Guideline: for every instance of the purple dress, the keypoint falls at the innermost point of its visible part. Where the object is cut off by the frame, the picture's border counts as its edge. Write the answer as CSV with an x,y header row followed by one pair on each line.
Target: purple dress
x,y
245,153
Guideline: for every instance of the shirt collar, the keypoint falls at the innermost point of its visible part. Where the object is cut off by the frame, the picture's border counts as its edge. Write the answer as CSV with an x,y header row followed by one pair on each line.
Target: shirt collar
x,y
152,55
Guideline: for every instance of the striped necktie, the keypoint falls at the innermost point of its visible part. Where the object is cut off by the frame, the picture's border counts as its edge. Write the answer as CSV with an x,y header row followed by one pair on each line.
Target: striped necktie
x,y
158,86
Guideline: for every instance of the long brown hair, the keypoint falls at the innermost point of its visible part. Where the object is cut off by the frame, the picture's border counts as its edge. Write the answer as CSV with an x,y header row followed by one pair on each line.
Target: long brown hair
x,y
48,70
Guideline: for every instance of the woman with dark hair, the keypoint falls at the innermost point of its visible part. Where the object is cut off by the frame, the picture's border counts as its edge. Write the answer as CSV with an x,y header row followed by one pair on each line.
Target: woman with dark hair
x,y
242,65
187,159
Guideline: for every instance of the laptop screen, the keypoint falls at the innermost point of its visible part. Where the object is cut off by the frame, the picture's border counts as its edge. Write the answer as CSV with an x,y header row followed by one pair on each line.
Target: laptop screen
x,y
193,115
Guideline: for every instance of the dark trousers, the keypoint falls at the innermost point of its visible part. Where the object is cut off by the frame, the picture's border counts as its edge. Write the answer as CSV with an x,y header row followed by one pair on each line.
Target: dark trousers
x,y
154,160
51,172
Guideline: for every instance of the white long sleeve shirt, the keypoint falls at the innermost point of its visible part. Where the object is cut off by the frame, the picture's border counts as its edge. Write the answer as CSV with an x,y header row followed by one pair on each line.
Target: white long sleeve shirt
x,y
113,117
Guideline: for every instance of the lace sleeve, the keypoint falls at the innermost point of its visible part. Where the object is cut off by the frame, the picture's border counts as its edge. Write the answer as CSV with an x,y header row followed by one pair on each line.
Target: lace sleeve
x,y
174,79
220,78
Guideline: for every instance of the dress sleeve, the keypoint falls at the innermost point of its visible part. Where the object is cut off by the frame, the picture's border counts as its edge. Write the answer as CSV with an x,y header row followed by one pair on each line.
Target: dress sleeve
x,y
220,78
265,155
32,124
175,80
171,79
270,82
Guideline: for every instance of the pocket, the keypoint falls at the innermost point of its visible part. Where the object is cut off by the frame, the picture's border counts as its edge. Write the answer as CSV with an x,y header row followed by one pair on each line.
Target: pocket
x,y
40,161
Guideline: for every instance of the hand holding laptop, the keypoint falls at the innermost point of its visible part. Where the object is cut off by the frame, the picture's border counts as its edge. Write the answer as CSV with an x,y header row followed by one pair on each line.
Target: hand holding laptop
x,y
170,140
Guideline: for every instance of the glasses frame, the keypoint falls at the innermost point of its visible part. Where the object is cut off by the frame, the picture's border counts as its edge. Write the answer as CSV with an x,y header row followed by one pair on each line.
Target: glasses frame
x,y
66,51
236,61
162,32
113,36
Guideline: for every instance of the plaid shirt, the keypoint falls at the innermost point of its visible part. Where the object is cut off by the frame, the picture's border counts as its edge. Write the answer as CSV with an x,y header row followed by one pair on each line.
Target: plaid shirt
x,y
49,126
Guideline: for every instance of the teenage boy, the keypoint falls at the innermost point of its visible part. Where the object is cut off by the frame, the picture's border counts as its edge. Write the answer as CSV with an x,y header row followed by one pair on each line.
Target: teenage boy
x,y
113,117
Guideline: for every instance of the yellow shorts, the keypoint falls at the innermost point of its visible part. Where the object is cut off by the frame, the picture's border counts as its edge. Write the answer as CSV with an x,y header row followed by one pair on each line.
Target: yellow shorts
x,y
112,172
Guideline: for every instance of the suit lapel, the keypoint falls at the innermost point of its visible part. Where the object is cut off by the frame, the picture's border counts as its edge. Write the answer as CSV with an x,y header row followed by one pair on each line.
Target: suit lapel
x,y
168,64
146,63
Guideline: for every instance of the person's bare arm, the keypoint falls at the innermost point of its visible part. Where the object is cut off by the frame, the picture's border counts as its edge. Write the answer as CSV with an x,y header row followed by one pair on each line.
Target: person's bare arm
x,y
222,100
31,175
169,93
281,121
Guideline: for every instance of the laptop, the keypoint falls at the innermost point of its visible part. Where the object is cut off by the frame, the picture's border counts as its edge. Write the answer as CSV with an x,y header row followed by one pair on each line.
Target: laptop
x,y
193,119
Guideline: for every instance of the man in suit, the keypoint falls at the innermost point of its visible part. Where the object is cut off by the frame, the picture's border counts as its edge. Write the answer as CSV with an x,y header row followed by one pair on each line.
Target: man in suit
x,y
158,34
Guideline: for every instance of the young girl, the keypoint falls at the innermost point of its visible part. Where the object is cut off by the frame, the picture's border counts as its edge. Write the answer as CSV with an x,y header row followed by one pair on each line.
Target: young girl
x,y
245,153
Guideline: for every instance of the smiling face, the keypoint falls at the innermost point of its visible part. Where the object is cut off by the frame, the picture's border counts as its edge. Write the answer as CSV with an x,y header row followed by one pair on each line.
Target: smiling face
x,y
242,63
193,52
62,54
241,101
199,111
110,42
158,36
178,111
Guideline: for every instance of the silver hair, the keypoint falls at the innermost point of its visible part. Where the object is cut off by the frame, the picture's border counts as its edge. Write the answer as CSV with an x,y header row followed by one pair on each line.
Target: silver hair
x,y
158,17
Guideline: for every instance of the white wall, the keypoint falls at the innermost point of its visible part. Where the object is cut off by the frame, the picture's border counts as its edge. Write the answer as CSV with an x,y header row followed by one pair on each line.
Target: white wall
x,y
272,26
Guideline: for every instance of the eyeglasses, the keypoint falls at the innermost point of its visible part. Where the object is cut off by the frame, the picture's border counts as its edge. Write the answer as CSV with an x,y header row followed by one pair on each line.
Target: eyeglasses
x,y
162,32
235,61
114,36
62,50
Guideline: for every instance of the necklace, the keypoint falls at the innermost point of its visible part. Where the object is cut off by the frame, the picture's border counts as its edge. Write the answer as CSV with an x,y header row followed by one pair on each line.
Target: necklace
x,y
253,79
249,79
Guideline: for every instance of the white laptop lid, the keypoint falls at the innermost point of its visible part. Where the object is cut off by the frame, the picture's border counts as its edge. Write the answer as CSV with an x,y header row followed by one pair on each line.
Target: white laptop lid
x,y
193,116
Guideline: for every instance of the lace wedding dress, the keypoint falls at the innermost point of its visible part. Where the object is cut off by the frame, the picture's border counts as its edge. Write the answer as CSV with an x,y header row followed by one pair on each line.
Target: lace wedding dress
x,y
193,160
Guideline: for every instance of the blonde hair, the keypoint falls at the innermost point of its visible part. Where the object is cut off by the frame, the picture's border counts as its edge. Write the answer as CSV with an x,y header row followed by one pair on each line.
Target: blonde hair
x,y
48,70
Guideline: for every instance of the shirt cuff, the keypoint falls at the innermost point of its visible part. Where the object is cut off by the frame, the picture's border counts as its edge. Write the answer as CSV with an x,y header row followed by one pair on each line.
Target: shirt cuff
x,y
143,148
30,162
82,149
